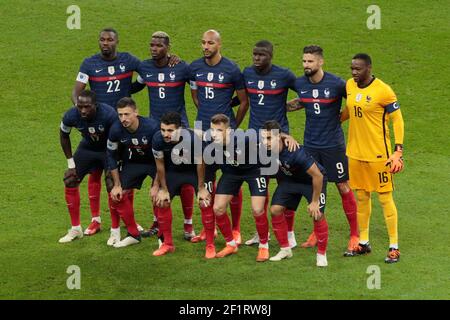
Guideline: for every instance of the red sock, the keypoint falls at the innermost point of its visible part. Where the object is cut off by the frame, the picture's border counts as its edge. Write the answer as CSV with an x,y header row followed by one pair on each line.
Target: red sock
x,y
165,224
155,216
115,217
73,204
321,231
279,227
187,201
156,213
289,215
349,205
94,189
224,224
262,227
125,209
236,211
208,223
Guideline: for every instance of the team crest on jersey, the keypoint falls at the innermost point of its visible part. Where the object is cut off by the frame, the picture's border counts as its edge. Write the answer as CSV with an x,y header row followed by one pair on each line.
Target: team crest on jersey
x,y
326,92
221,77
160,77
101,128
358,97
91,130
261,84
172,76
111,70
315,93
122,67
273,84
210,76
144,140
135,141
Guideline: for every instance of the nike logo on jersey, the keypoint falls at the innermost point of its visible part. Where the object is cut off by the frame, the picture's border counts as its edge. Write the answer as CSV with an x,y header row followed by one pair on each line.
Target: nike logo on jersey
x,y
123,140
199,74
262,190
341,176
97,71
303,92
149,75
251,82
321,207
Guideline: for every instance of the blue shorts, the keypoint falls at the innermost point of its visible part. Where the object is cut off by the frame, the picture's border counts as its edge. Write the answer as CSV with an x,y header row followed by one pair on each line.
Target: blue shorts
x,y
230,184
87,161
289,193
132,174
333,160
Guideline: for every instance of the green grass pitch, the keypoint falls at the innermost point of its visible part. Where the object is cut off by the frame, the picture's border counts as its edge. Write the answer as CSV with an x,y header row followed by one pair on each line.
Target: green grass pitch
x,y
40,60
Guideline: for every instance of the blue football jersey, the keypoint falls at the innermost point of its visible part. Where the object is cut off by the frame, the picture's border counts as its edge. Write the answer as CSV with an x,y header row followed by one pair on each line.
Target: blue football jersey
x,y
322,102
110,80
138,144
293,165
165,88
179,156
95,131
215,86
268,94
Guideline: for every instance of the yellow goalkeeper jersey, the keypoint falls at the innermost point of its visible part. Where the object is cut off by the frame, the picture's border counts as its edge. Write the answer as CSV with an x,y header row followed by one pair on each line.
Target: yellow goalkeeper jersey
x,y
369,109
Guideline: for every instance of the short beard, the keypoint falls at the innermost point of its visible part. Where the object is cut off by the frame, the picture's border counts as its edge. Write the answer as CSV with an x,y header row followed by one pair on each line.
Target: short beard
x,y
311,73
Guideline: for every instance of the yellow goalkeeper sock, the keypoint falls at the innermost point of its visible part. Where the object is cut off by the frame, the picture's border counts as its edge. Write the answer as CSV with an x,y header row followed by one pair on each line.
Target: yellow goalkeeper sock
x,y
364,211
390,216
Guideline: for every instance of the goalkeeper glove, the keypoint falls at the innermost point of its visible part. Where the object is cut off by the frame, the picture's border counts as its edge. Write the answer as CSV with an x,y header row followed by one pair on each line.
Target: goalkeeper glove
x,y
396,160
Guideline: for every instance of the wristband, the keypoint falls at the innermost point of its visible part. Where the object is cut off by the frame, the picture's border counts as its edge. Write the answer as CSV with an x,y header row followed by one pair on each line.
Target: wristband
x,y
71,163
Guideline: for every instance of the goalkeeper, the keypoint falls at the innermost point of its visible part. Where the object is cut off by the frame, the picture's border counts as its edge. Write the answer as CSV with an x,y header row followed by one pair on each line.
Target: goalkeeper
x,y
371,104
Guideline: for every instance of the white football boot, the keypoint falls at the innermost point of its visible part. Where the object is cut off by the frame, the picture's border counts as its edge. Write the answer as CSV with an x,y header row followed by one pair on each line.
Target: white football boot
x,y
322,260
114,237
71,235
284,253
128,241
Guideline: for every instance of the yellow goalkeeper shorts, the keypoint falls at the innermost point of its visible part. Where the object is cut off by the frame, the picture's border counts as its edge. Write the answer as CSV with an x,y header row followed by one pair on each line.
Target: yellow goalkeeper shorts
x,y
370,176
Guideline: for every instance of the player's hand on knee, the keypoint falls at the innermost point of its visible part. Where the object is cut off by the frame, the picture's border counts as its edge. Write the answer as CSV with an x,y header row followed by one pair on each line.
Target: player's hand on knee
x,y
116,193
71,179
204,198
154,193
314,210
163,198
396,162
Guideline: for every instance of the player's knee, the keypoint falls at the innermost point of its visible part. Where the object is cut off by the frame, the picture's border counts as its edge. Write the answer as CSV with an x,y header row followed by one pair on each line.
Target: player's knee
x,y
71,179
258,211
276,210
362,195
109,181
385,198
343,187
219,209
